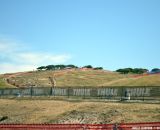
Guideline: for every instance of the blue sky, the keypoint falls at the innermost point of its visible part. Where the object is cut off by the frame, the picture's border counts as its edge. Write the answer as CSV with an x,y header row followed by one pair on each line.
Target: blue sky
x,y
109,33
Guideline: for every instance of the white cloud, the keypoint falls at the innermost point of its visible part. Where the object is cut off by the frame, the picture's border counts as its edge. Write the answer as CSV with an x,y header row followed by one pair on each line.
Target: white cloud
x,y
15,58
40,58
58,58
10,68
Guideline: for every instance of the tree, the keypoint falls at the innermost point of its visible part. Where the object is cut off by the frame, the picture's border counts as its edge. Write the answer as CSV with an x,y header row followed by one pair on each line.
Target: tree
x,y
98,68
59,67
88,66
71,66
123,71
130,70
155,70
41,68
50,67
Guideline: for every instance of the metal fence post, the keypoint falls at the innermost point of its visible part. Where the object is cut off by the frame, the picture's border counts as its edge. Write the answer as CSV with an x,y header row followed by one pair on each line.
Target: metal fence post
x,y
143,94
2,92
68,92
31,91
84,93
121,94
51,91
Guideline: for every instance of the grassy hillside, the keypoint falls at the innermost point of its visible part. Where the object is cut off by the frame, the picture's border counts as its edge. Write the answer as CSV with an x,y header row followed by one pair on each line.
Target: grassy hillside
x,y
151,80
4,84
78,78
65,78
51,111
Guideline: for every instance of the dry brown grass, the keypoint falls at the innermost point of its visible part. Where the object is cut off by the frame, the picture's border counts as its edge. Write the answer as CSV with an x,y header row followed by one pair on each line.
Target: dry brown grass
x,y
65,78
151,80
51,111
78,78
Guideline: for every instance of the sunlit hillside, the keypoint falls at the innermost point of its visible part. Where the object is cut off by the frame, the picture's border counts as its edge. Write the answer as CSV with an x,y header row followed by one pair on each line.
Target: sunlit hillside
x,y
4,84
77,78
64,78
149,80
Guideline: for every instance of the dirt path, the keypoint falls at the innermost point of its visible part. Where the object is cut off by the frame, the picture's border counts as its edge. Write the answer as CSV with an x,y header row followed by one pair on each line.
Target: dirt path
x,y
7,78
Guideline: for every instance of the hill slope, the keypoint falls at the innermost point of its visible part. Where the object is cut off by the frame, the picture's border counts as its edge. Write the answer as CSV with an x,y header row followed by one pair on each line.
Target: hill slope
x,y
77,78
64,78
4,84
150,80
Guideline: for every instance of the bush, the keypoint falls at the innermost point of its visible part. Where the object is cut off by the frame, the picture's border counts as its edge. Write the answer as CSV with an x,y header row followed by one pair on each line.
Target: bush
x,y
130,70
41,68
88,66
155,70
98,68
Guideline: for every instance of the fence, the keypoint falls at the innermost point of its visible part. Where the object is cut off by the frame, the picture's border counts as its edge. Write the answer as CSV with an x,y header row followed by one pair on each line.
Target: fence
x,y
122,126
121,93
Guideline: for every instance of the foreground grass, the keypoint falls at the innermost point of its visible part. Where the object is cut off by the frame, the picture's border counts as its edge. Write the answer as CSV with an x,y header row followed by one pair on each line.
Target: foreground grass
x,y
50,111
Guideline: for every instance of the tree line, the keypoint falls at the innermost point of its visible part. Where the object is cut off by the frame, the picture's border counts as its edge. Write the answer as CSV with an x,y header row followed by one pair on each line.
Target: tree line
x,y
122,71
61,67
137,70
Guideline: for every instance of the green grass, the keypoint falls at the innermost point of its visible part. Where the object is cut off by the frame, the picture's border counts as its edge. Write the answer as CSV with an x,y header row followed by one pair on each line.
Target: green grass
x,y
3,84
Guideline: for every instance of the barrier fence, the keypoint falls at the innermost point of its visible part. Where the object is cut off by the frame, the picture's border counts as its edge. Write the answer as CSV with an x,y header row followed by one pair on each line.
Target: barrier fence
x,y
122,126
133,93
